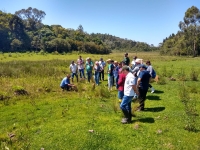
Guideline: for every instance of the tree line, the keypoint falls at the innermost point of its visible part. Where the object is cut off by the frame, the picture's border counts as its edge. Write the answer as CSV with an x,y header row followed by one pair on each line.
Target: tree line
x,y
24,31
187,39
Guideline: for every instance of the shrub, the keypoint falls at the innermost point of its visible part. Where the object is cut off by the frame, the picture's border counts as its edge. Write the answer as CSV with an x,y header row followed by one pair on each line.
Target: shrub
x,y
194,75
181,75
18,90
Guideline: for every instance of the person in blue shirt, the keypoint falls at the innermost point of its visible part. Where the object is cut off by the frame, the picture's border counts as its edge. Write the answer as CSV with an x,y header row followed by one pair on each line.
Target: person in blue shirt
x,y
143,85
65,83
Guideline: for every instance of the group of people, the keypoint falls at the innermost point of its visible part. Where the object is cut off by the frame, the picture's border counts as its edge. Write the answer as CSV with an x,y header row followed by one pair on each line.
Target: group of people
x,y
130,78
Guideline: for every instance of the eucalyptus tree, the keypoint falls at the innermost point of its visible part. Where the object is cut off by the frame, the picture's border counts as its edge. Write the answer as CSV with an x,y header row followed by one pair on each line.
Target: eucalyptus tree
x,y
32,17
190,26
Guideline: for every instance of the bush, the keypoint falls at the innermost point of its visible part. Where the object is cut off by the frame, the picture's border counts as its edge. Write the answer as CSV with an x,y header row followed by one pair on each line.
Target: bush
x,y
194,75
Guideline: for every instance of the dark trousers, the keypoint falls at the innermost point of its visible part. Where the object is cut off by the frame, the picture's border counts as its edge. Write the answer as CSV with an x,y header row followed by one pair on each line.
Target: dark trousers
x,y
66,87
101,75
142,98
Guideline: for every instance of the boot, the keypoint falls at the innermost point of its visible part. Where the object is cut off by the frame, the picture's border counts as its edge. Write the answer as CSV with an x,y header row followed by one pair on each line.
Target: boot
x,y
127,117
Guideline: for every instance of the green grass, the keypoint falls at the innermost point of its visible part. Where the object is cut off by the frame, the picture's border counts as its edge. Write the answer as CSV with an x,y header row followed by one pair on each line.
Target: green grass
x,y
90,119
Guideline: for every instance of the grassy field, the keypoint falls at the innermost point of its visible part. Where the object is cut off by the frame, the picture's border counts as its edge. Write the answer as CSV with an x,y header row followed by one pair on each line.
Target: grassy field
x,y
44,117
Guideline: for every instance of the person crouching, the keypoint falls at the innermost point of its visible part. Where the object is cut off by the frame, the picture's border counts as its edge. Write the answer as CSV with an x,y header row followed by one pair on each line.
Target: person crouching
x,y
65,84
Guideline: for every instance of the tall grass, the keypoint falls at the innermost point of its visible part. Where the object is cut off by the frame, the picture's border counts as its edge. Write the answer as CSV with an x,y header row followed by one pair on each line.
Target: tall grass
x,y
49,118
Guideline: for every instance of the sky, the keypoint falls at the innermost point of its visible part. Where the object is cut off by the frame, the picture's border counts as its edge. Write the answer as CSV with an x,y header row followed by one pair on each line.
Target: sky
x,y
148,21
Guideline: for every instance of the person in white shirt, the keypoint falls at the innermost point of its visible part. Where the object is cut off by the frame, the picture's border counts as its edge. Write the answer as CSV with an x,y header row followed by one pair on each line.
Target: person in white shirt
x,y
80,63
102,64
73,69
129,91
133,62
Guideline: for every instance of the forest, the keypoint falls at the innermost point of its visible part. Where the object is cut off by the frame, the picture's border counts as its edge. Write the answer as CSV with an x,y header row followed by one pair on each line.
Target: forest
x,y
187,40
24,31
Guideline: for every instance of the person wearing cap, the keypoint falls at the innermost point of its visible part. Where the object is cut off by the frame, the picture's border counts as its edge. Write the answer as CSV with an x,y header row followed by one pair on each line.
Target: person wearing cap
x,y
89,66
136,72
110,74
129,91
143,85
152,73
65,83
80,63
126,59
102,64
73,69
97,70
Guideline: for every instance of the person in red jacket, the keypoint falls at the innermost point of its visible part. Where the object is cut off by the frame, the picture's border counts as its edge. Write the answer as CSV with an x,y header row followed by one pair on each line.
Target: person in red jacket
x,y
121,82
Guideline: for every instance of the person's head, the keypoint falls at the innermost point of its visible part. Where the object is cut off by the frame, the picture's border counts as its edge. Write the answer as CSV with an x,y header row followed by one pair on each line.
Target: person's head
x,y
135,57
148,63
97,63
88,59
138,61
126,55
101,59
125,69
68,76
108,61
72,62
80,57
120,64
115,63
142,67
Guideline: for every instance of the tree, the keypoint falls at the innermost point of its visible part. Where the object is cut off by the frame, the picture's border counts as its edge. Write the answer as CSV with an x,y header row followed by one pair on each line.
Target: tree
x,y
31,16
190,26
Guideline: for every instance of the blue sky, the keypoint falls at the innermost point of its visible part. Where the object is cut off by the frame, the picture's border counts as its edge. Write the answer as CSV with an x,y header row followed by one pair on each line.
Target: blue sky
x,y
147,21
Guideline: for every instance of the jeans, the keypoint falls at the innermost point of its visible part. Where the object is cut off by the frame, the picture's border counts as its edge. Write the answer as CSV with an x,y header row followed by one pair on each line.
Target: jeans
x,y
81,71
74,74
126,103
116,81
101,75
120,94
89,75
110,82
96,77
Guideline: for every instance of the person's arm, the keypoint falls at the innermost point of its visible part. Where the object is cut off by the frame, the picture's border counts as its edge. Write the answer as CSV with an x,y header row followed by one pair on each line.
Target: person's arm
x,y
70,68
138,82
135,89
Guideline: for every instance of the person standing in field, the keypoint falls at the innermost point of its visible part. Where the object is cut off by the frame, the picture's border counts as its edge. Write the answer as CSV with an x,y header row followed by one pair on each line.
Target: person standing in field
x,y
73,69
80,63
102,64
110,74
133,64
126,59
65,83
129,91
116,73
143,85
89,66
97,70
120,83
152,73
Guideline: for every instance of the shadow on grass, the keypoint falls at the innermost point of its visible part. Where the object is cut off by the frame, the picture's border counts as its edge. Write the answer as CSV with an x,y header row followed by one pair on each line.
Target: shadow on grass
x,y
144,120
153,97
155,109
158,92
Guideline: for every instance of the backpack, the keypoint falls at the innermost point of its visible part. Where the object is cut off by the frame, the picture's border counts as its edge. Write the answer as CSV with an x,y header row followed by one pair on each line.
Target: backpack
x,y
153,75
